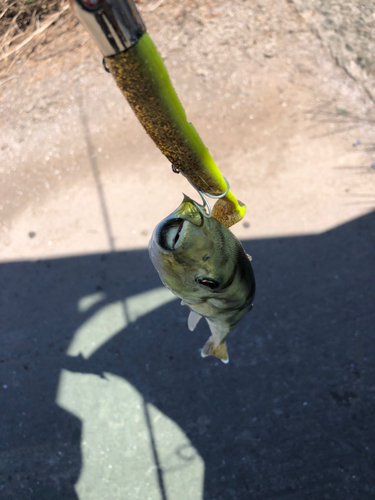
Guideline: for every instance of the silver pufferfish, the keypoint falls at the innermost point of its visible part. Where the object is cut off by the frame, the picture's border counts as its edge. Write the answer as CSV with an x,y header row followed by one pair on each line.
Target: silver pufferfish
x,y
205,265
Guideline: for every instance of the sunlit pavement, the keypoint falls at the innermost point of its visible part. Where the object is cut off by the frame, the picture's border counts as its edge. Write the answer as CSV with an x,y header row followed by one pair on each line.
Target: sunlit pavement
x,y
129,448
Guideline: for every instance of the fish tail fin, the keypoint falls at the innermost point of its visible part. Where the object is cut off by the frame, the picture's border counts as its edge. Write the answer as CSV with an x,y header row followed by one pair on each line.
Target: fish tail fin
x,y
219,351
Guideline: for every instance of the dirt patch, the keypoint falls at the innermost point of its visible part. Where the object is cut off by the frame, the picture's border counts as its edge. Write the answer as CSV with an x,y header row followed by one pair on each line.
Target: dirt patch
x,y
346,28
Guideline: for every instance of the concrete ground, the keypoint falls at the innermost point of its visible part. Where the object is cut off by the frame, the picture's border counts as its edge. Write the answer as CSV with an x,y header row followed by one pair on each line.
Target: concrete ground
x,y
103,392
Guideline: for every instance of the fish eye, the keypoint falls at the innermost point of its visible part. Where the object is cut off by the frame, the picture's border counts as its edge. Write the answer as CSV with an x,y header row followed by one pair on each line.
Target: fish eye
x,y
211,283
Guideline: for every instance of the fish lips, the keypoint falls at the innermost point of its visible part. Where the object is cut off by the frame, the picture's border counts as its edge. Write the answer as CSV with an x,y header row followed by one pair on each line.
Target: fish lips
x,y
170,233
188,210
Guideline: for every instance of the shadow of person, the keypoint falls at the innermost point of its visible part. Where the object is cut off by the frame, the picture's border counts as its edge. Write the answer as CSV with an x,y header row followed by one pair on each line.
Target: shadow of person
x,y
291,416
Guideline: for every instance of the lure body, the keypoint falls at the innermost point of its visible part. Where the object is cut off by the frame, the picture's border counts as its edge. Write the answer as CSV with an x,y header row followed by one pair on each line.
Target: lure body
x,y
205,265
140,73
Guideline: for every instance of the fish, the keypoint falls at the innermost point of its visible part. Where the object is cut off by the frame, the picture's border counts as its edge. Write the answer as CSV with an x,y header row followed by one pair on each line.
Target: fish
x,y
204,264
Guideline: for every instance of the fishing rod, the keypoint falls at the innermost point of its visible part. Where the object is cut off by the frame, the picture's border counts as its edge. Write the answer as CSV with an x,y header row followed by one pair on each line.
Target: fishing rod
x,y
131,57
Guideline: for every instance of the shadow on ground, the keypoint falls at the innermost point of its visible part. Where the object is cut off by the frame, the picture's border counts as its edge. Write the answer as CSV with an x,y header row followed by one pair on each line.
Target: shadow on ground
x,y
291,416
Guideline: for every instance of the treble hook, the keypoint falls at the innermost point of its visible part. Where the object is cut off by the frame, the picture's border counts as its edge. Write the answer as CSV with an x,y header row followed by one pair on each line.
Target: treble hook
x,y
203,194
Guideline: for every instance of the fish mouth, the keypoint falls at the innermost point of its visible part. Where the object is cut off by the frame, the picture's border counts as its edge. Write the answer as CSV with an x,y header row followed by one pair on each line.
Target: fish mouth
x,y
170,234
188,210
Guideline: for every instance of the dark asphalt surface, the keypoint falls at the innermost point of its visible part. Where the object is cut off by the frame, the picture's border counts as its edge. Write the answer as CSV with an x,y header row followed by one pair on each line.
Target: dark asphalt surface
x,y
291,416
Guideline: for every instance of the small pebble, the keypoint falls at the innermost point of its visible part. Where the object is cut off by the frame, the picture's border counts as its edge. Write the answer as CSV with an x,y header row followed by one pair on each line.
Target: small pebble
x,y
356,143
373,166
32,234
5,387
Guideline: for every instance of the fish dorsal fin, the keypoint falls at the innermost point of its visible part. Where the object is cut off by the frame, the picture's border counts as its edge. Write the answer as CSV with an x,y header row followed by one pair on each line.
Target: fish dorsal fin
x,y
193,320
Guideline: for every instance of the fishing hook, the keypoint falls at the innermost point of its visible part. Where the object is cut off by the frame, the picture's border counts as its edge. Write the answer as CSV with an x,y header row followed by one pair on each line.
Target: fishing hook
x,y
203,194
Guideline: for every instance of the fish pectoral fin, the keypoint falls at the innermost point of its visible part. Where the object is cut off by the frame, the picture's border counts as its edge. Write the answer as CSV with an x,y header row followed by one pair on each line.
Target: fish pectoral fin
x,y
193,320
219,303
250,257
219,351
